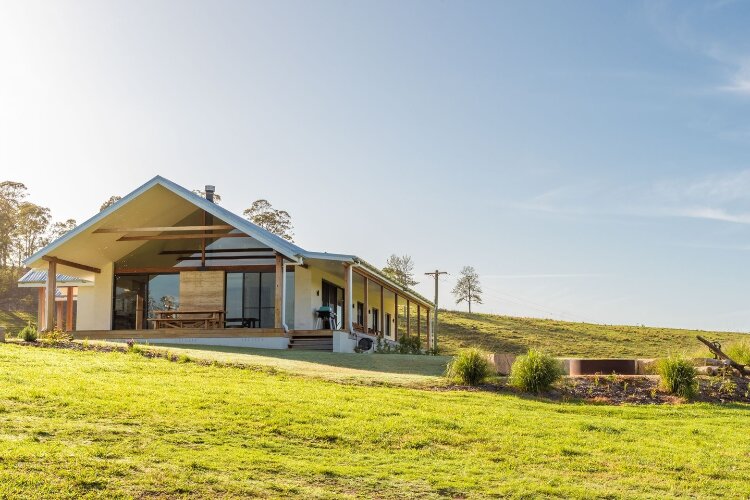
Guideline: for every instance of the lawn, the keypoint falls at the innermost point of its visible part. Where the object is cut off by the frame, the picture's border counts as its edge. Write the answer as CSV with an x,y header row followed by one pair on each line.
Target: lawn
x,y
560,338
76,424
397,369
13,321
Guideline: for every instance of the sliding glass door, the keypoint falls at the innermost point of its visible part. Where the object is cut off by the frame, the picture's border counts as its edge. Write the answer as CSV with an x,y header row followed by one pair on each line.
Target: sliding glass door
x,y
137,296
250,299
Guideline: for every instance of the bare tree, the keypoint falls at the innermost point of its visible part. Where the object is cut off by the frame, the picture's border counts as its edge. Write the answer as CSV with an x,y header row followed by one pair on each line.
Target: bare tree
x,y
111,201
467,288
279,222
400,269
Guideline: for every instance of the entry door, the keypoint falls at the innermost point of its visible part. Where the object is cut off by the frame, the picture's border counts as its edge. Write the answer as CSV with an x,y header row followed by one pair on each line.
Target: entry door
x,y
333,296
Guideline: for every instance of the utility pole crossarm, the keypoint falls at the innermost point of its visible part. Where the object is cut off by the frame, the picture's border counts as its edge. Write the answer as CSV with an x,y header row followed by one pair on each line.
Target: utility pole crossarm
x,y
436,275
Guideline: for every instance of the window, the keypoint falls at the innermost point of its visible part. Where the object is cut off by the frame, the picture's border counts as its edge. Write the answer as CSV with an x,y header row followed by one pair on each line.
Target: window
x,y
375,319
387,324
360,313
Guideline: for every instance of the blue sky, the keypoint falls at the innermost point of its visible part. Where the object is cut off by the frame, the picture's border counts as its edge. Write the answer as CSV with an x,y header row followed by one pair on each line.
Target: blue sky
x,y
589,159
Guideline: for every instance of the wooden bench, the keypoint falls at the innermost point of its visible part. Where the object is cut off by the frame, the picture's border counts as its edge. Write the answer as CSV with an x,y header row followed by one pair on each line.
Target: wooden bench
x,y
188,318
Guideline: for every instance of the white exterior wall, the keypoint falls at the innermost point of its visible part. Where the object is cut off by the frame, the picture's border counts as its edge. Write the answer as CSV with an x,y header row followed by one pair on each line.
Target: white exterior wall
x,y
255,342
303,295
308,283
342,342
95,302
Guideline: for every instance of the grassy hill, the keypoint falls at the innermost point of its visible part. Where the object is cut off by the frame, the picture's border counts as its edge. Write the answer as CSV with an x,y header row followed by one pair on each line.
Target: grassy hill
x,y
13,321
113,425
562,338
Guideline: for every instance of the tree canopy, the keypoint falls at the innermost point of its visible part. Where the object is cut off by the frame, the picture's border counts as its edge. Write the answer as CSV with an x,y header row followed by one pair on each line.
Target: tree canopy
x,y
279,222
468,288
111,201
400,269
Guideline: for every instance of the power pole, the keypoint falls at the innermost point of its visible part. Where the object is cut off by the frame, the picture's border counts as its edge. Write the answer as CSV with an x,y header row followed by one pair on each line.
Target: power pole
x,y
436,275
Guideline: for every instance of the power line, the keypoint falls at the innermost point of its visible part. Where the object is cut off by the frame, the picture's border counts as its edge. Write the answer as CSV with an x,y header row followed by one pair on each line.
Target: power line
x,y
436,275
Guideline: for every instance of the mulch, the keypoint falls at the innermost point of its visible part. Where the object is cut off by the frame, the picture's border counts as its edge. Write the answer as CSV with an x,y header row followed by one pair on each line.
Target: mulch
x,y
629,389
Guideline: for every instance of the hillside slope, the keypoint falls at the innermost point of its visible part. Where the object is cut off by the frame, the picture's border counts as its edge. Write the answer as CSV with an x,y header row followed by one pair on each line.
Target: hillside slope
x,y
113,425
561,338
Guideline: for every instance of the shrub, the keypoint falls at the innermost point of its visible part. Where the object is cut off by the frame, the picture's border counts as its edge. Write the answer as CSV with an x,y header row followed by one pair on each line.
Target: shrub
x,y
678,376
740,352
469,367
28,333
183,358
135,348
56,336
535,372
410,344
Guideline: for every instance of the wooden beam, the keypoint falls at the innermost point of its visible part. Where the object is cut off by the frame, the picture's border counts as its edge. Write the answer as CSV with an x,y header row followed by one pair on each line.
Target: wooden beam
x,y
382,310
69,310
139,300
227,257
177,333
176,270
41,309
347,319
51,287
59,315
419,321
381,282
196,236
366,315
279,292
217,250
428,333
408,318
68,263
395,316
203,242
162,229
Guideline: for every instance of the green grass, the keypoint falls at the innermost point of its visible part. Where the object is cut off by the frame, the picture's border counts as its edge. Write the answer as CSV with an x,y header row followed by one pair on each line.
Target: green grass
x,y
560,338
13,321
77,424
396,369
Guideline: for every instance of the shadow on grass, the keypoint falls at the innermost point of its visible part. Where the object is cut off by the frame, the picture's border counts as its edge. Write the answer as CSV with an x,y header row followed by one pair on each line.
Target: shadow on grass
x,y
405,364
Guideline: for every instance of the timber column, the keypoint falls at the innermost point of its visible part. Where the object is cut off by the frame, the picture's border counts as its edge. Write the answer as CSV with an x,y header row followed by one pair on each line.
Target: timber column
x,y
279,291
51,288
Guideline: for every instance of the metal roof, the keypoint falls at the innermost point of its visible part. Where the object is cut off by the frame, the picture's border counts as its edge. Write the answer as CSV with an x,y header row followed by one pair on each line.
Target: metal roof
x,y
273,241
36,277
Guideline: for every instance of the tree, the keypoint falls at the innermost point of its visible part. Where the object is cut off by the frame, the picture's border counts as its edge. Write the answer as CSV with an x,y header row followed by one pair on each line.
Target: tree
x,y
58,229
467,288
12,195
400,270
32,224
111,201
202,194
279,222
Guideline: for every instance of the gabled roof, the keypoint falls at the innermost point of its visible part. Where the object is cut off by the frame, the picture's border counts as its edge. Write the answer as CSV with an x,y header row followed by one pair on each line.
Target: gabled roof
x,y
284,247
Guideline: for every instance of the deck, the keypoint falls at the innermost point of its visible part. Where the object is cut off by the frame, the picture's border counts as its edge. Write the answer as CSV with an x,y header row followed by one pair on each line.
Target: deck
x,y
178,333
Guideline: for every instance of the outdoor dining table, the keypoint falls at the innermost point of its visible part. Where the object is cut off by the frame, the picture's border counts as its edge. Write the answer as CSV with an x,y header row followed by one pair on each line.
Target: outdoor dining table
x,y
188,318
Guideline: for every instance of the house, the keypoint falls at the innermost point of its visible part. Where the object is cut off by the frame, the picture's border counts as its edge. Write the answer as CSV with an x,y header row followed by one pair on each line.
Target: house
x,y
166,265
